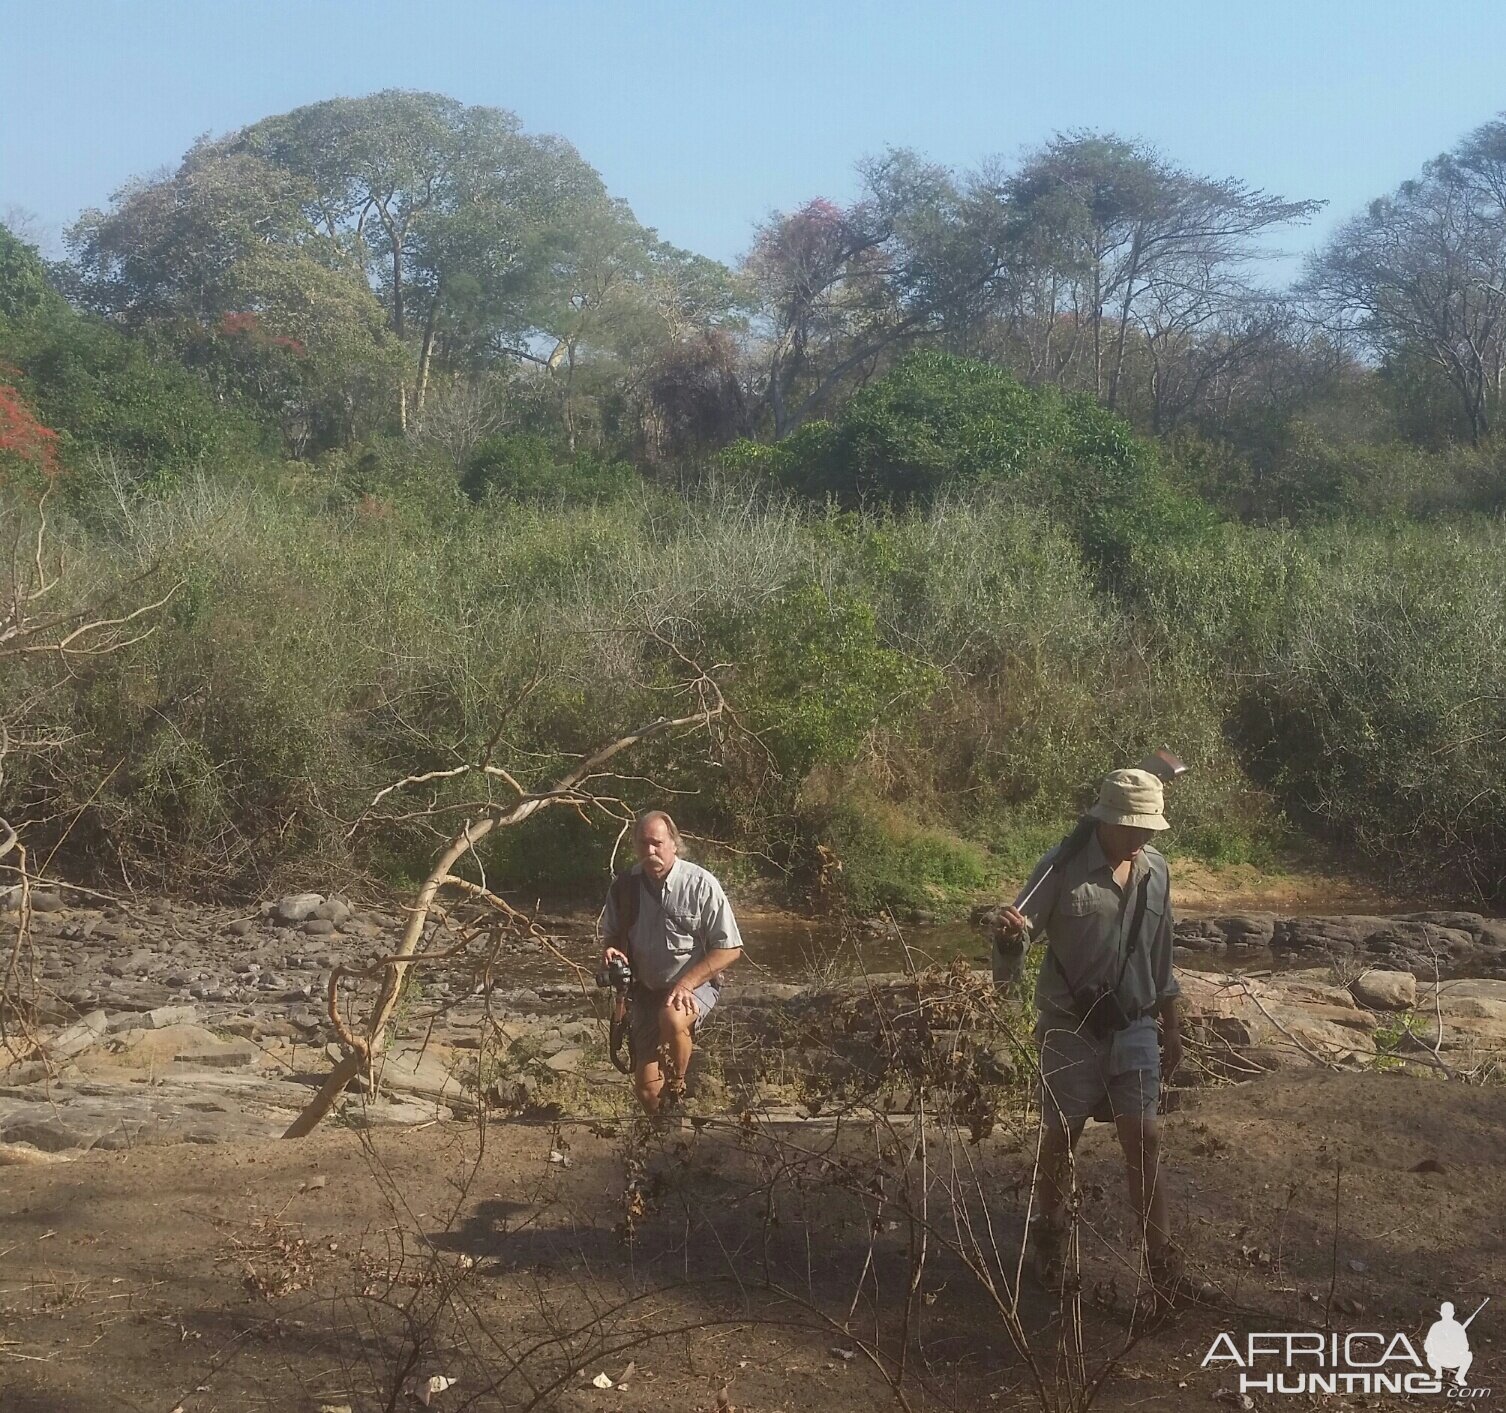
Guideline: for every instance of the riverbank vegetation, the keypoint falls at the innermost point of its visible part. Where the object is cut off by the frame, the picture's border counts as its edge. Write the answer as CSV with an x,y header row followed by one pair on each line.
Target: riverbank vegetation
x,y
963,493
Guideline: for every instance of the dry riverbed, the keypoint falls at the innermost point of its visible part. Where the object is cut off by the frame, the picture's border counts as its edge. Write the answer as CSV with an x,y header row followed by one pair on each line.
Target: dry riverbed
x,y
493,1213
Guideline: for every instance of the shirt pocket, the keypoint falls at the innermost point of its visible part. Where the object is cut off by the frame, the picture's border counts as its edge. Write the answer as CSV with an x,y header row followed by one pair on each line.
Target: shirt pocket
x,y
680,944
1089,900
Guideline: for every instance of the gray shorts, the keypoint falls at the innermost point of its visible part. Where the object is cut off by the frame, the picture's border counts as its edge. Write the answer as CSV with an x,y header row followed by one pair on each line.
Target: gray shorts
x,y
1120,1074
643,1017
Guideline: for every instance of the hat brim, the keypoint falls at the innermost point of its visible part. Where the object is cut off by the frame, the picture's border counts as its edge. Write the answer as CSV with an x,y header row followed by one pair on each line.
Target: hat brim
x,y
1131,821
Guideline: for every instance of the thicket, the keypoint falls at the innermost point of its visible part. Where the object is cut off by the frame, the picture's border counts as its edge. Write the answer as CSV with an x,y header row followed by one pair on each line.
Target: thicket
x,y
939,615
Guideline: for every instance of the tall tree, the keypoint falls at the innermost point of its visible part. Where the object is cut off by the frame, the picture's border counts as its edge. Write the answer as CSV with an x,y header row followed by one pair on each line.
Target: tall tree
x,y
1423,271
1112,238
839,290
453,212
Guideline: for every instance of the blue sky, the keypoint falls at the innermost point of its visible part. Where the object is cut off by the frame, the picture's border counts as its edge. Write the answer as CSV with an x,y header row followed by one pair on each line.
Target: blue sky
x,y
708,114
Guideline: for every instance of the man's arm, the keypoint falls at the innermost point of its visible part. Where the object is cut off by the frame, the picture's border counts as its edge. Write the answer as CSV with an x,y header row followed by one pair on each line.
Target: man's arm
x,y
610,926
1042,901
724,945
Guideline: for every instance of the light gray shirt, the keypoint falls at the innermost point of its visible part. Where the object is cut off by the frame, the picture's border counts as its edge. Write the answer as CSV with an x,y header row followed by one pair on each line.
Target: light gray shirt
x,y
677,924
1084,917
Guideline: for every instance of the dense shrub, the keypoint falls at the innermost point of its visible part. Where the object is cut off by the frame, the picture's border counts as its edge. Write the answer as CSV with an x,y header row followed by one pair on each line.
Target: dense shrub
x,y
939,425
523,466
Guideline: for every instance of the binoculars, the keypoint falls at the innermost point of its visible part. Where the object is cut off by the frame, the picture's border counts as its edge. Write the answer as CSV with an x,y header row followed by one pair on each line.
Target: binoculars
x,y
1100,1012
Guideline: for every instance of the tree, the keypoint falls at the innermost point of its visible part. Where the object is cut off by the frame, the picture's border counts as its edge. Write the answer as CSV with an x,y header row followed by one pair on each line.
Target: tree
x,y
840,290
26,294
167,251
1423,271
1111,237
452,211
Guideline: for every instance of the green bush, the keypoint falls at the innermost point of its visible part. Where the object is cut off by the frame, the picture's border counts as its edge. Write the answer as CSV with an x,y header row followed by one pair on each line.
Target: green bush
x,y
113,397
938,426
889,861
525,467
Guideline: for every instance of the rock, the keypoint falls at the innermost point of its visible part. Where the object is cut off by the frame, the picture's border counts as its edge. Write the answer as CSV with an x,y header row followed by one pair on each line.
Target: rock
x,y
1322,934
163,1016
239,928
318,927
45,1131
45,901
1275,1025
566,1061
77,1037
24,1155
219,1055
420,1074
333,911
1418,943
298,907
1248,929
388,1113
1472,924
1385,990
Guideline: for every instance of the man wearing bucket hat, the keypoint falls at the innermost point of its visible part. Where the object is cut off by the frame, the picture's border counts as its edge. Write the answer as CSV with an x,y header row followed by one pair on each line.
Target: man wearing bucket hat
x,y
1108,1027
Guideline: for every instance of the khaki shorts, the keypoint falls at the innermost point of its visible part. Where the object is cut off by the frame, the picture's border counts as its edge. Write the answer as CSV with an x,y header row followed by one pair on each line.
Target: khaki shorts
x,y
643,1017
1080,1073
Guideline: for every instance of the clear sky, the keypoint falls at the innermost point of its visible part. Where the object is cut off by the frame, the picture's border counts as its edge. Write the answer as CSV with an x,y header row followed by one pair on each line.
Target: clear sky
x,y
708,114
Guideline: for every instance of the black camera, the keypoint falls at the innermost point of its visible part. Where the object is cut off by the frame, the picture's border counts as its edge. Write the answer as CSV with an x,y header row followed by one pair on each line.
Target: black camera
x,y
617,974
1100,1013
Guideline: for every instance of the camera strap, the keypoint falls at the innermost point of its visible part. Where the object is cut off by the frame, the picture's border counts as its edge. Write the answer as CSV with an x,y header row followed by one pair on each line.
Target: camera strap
x,y
1136,923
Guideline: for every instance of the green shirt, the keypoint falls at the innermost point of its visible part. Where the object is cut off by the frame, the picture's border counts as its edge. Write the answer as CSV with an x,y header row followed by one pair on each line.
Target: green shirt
x,y
1084,917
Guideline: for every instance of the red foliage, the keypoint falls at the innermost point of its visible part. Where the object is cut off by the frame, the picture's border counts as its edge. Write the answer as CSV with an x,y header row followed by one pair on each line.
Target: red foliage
x,y
248,325
21,435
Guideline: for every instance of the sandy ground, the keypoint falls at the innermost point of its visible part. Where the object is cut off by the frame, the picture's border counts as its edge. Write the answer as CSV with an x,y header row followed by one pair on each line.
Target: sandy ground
x,y
347,1269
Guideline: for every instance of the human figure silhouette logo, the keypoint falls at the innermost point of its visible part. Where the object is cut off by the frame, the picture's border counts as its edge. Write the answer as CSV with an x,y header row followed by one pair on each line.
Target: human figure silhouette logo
x,y
1447,1344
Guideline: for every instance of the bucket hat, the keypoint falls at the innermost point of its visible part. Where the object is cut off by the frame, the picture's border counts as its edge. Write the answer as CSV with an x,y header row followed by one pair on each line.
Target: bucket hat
x,y
1131,797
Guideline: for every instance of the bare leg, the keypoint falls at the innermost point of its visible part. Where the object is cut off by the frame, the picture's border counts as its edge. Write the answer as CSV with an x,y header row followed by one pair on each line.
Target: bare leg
x,y
1140,1138
675,1040
647,1083
1058,1139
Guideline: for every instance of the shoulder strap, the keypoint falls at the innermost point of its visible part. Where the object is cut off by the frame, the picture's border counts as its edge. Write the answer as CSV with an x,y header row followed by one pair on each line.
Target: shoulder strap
x,y
625,899
1136,922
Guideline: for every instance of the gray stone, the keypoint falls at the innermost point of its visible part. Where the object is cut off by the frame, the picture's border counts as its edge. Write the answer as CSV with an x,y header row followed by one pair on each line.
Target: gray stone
x,y
1385,990
228,1055
163,1016
77,1037
44,1131
318,927
390,1113
565,1061
298,907
333,911
45,901
240,927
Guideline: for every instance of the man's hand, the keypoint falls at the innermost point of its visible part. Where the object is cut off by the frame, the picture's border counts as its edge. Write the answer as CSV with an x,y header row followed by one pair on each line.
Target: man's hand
x,y
682,998
613,954
1013,921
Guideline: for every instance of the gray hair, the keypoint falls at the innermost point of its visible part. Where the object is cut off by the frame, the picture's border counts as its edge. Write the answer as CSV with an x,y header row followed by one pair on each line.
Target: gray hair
x,y
648,817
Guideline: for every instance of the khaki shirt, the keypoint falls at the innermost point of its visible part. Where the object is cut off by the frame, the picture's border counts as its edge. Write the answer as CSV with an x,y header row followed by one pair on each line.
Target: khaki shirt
x,y
678,922
1084,918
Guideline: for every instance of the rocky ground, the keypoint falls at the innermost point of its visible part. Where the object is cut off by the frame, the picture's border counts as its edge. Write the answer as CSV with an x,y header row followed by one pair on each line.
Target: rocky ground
x,y
185,1023
491,1213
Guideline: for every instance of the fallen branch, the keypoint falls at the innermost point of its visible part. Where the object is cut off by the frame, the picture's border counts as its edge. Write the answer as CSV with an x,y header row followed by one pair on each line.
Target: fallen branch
x,y
566,790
